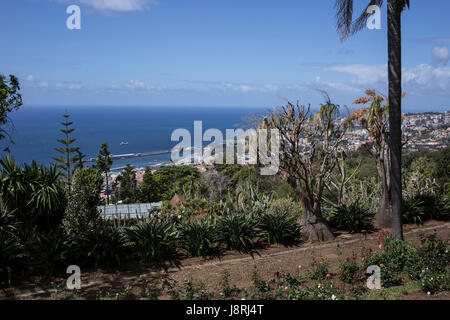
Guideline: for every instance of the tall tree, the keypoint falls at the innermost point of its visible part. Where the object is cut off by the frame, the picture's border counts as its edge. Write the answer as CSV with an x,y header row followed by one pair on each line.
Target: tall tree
x,y
309,146
10,99
104,163
81,213
345,27
80,160
68,152
128,190
374,120
148,192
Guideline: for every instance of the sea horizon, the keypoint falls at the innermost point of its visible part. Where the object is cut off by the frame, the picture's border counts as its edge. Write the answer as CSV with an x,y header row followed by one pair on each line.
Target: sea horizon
x,y
127,129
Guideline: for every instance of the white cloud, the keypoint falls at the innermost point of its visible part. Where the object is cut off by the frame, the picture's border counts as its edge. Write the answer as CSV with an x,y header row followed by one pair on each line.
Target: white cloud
x,y
29,77
425,77
69,85
244,88
270,87
440,55
119,5
115,5
365,74
136,84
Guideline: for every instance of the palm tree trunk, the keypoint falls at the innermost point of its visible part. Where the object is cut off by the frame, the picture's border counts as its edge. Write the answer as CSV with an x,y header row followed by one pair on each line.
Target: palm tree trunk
x,y
395,95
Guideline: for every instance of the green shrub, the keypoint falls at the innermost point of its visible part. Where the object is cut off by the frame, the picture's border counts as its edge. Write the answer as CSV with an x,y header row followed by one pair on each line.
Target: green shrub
x,y
390,274
103,247
419,208
352,217
226,290
434,253
284,206
395,257
238,231
350,271
13,258
189,290
261,289
432,282
280,227
49,253
153,240
326,291
412,210
81,213
290,287
319,269
197,235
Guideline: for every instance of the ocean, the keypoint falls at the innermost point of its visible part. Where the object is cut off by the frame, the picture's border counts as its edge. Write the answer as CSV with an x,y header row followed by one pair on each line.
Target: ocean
x,y
144,129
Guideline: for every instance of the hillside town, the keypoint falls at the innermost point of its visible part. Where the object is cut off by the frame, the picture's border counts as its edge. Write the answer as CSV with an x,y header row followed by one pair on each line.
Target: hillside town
x,y
429,130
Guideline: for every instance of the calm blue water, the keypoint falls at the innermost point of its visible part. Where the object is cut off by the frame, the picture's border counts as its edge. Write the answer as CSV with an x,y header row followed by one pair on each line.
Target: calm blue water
x,y
144,128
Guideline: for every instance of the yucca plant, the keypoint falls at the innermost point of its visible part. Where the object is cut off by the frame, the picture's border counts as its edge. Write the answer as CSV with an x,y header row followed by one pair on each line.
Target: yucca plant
x,y
13,258
34,191
153,240
198,235
352,217
238,230
103,247
49,252
412,210
280,228
12,252
8,222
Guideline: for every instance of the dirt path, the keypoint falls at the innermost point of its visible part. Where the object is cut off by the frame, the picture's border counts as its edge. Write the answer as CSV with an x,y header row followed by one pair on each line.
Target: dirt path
x,y
240,266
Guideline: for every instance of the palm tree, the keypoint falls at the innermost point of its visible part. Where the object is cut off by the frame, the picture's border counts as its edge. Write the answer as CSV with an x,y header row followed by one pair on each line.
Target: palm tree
x,y
345,27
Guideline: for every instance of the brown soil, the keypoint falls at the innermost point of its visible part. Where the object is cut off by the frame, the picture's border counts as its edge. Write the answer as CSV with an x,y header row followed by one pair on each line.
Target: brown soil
x,y
268,262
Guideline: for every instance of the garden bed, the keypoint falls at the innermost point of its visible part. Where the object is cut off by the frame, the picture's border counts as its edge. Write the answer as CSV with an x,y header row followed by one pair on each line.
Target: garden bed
x,y
140,281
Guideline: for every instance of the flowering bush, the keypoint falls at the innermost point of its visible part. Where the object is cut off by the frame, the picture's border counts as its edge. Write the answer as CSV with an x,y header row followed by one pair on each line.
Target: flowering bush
x,y
326,290
350,271
432,282
289,287
434,253
319,269
189,290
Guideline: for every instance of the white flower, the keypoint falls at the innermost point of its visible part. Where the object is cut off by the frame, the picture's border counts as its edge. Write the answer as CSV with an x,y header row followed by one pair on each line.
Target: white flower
x,y
428,293
333,297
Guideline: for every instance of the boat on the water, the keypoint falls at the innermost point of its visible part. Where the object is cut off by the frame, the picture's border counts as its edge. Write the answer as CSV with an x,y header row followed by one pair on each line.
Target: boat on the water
x,y
124,143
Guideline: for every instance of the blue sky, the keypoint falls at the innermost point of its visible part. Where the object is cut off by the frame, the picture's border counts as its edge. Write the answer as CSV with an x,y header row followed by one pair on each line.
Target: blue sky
x,y
216,53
